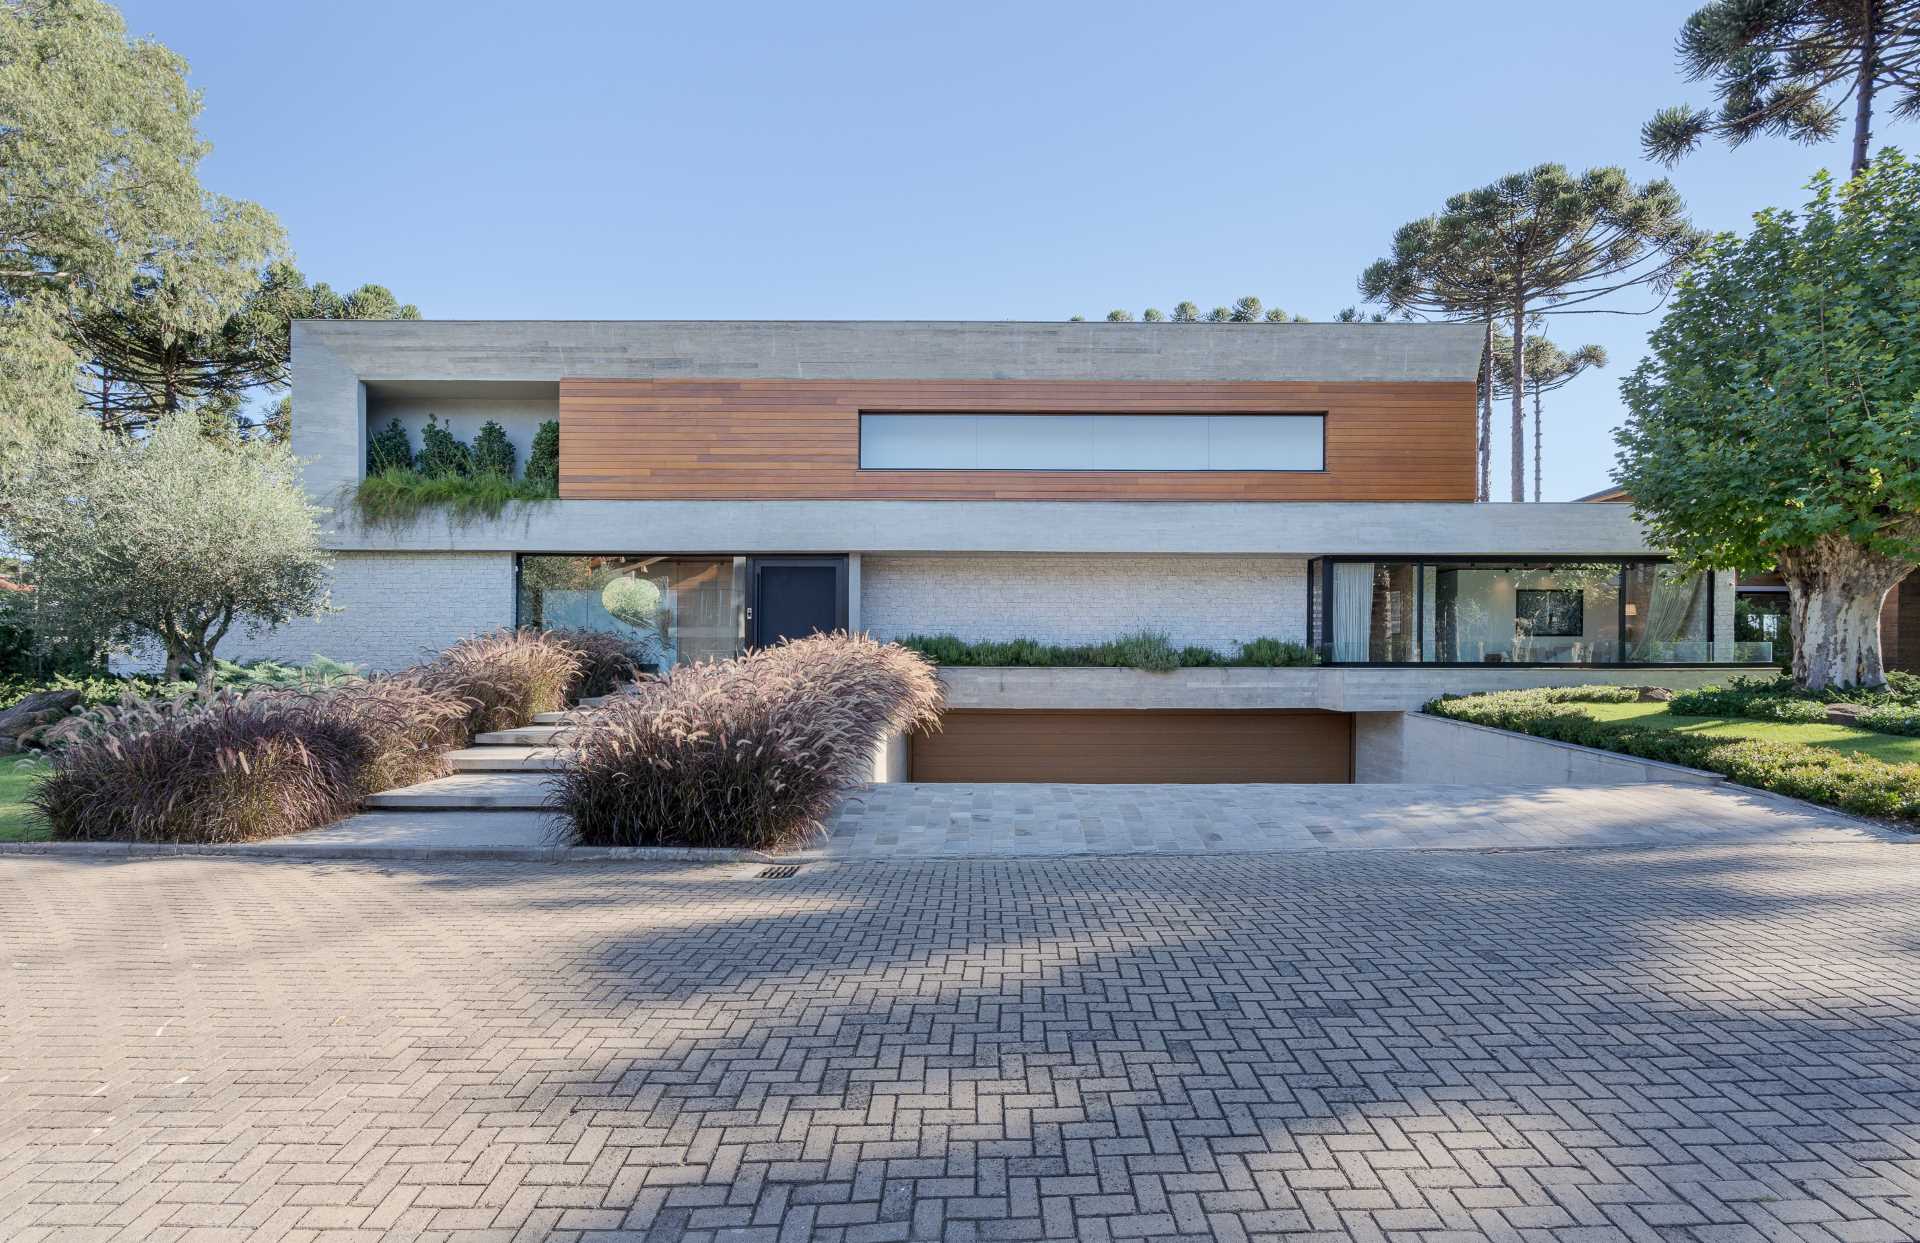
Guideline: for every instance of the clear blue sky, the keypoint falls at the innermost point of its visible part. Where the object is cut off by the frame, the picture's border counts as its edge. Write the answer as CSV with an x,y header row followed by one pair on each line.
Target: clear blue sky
x,y
610,159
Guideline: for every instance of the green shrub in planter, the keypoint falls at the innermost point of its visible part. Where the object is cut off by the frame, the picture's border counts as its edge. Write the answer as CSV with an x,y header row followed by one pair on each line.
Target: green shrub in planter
x,y
442,454
1275,653
493,453
543,458
390,449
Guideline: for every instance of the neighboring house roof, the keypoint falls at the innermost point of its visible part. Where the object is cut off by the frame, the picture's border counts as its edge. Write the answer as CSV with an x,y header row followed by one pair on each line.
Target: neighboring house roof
x,y
1605,495
7,584
552,350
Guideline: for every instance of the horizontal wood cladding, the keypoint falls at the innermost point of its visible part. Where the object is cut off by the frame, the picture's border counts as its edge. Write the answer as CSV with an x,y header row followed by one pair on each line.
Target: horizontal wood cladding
x,y
800,440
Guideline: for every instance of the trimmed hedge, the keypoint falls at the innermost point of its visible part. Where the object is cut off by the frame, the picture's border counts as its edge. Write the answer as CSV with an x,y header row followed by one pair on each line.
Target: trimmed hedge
x,y
1145,649
1743,701
1851,782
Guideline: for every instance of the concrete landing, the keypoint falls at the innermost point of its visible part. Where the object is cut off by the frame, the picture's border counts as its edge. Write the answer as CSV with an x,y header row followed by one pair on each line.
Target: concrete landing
x,y
471,791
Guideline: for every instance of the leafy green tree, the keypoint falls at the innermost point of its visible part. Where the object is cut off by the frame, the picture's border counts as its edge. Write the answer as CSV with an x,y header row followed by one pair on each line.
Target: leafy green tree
x,y
1777,420
1790,68
171,537
493,453
1154,315
171,343
1548,368
1186,313
1119,317
98,158
1445,266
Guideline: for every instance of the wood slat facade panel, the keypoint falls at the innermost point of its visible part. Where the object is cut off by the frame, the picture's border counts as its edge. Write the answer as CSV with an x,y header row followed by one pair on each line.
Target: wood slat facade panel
x,y
800,440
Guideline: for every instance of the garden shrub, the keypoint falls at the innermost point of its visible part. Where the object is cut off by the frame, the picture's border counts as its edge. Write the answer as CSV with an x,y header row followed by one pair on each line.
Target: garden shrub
x,y
1755,698
505,677
543,458
396,497
747,753
1275,653
607,661
1145,649
493,453
1891,718
390,449
442,454
1850,781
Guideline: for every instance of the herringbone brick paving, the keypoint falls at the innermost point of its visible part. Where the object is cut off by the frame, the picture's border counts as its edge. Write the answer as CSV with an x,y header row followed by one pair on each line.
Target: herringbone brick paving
x,y
1698,1044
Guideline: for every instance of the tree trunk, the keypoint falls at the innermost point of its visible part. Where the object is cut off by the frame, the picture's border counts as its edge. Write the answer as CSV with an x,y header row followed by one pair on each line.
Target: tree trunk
x,y
1486,414
1835,589
1519,380
1537,443
176,661
1864,82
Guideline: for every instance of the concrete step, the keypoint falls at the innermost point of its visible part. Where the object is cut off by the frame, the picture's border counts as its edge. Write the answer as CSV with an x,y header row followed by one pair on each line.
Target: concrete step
x,y
506,759
525,736
522,791
551,718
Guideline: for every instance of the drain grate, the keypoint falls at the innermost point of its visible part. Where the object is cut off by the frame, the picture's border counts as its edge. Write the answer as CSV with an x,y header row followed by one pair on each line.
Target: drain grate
x,y
780,871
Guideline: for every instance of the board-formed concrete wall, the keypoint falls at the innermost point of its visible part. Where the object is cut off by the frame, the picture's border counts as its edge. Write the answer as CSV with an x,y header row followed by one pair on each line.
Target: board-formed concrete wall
x,y
393,609
1412,748
1215,602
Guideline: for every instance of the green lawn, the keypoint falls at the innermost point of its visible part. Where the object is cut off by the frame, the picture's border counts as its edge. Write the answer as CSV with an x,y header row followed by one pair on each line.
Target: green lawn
x,y
1890,747
17,779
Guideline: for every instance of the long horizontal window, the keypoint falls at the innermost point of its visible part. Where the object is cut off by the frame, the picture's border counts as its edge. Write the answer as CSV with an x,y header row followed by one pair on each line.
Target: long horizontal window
x,y
1092,442
1517,612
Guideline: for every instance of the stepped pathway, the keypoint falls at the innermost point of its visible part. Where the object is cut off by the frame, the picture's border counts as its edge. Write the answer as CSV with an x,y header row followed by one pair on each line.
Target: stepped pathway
x,y
502,771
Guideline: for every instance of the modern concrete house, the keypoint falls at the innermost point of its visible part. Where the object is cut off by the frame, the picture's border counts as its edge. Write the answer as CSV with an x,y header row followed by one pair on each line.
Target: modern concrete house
x,y
723,484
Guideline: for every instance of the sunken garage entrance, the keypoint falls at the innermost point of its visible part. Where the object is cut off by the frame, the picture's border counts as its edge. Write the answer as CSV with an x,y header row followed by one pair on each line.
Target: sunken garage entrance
x,y
1136,746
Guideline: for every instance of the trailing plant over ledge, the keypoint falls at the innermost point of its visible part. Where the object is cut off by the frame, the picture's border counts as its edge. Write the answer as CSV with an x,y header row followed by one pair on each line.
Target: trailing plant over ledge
x,y
395,497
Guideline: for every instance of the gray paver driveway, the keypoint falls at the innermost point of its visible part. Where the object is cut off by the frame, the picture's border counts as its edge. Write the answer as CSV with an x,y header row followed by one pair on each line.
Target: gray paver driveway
x,y
1707,1044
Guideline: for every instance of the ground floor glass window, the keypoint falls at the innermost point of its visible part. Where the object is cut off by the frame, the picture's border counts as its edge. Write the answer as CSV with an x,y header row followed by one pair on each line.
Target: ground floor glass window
x,y
1515,612
676,610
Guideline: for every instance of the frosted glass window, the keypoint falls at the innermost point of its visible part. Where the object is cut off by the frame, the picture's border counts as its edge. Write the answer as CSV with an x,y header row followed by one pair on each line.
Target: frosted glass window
x,y
1032,441
1148,442
1130,442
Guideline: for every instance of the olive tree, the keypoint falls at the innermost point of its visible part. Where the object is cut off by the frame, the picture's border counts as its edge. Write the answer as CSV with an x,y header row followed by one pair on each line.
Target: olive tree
x,y
176,538
1777,418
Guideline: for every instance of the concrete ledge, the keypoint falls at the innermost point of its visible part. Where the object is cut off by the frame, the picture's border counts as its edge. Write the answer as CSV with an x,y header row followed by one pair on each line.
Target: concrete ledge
x,y
1355,689
1438,750
313,851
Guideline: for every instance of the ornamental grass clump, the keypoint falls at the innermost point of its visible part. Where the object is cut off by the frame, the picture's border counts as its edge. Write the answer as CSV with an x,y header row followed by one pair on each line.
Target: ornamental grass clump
x,y
228,769
505,677
238,766
607,662
746,753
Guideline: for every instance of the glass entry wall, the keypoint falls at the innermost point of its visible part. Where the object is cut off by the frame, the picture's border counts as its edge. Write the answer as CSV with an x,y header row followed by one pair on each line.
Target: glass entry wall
x,y
675,610
1491,612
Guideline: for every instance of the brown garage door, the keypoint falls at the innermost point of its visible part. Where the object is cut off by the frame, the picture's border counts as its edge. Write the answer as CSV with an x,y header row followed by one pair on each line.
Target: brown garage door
x,y
1143,747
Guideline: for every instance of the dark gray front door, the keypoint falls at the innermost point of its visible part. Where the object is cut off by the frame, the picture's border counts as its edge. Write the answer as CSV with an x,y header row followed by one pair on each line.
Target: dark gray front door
x,y
797,596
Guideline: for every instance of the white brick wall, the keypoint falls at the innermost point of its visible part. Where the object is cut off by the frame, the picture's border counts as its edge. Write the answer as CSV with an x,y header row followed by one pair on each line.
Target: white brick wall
x,y
395,608
1214,601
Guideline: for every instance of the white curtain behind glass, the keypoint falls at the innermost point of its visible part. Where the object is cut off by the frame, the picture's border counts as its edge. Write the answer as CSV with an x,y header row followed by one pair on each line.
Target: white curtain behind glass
x,y
1352,609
